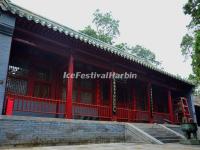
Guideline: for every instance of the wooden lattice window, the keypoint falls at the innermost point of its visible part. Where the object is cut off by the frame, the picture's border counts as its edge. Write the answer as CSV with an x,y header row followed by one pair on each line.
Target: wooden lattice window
x,y
86,91
105,92
160,99
17,80
42,83
141,96
43,74
75,90
18,86
41,90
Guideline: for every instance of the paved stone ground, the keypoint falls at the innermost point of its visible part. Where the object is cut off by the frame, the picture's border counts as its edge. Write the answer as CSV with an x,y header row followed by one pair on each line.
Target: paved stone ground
x,y
115,146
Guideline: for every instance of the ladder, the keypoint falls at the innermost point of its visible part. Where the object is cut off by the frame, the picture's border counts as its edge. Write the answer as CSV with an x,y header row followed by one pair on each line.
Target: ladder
x,y
185,108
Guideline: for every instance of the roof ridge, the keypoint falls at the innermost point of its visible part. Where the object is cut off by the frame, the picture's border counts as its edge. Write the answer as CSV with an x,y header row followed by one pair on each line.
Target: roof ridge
x,y
7,5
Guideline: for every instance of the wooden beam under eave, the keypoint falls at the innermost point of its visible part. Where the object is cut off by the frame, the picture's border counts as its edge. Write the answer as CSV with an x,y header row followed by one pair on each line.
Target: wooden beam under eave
x,y
40,42
43,47
40,37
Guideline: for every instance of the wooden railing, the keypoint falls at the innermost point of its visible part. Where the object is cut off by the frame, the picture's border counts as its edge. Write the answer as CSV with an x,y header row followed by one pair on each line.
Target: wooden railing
x,y
91,111
23,105
142,116
160,117
28,104
122,114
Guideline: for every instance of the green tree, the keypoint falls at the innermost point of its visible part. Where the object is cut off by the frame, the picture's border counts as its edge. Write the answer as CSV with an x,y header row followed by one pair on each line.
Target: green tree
x,y
123,46
145,54
190,45
106,27
187,46
106,24
89,31
140,52
192,8
196,57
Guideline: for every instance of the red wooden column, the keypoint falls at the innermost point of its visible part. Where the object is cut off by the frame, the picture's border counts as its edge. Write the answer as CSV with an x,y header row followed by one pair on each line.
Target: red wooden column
x,y
97,93
53,83
57,89
69,88
9,106
97,96
149,98
170,107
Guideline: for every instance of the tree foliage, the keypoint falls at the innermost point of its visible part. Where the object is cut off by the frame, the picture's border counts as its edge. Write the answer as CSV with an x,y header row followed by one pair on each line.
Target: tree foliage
x,y
140,52
107,29
187,46
106,24
190,45
192,8
89,31
196,56
145,54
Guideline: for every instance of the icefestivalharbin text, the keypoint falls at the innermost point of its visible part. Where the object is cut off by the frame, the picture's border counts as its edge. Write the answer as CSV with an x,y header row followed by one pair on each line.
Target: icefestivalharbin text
x,y
95,75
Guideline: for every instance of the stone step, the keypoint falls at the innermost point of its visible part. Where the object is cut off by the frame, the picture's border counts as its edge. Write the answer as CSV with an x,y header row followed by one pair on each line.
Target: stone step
x,y
170,140
154,133
176,129
159,133
167,137
163,136
155,130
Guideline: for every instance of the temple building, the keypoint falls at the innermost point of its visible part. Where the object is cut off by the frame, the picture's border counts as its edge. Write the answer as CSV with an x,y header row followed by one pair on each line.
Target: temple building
x,y
36,53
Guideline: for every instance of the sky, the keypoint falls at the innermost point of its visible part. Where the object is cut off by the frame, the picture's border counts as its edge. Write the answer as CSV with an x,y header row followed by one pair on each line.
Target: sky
x,y
158,25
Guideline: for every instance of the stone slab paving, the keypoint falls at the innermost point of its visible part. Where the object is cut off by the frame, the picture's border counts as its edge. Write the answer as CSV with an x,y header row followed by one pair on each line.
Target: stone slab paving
x,y
114,146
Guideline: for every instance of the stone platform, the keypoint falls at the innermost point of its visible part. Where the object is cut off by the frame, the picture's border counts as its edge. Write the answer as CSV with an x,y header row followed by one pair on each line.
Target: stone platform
x,y
34,131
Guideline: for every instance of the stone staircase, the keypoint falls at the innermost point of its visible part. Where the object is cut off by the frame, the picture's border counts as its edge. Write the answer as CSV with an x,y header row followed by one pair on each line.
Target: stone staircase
x,y
159,132
177,129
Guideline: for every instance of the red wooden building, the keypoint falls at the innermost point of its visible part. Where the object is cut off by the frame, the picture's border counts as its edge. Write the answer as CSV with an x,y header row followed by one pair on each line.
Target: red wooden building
x,y
35,54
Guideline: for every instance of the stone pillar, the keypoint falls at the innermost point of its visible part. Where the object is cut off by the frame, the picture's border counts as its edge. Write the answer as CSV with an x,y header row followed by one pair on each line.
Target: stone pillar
x,y
7,25
190,101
